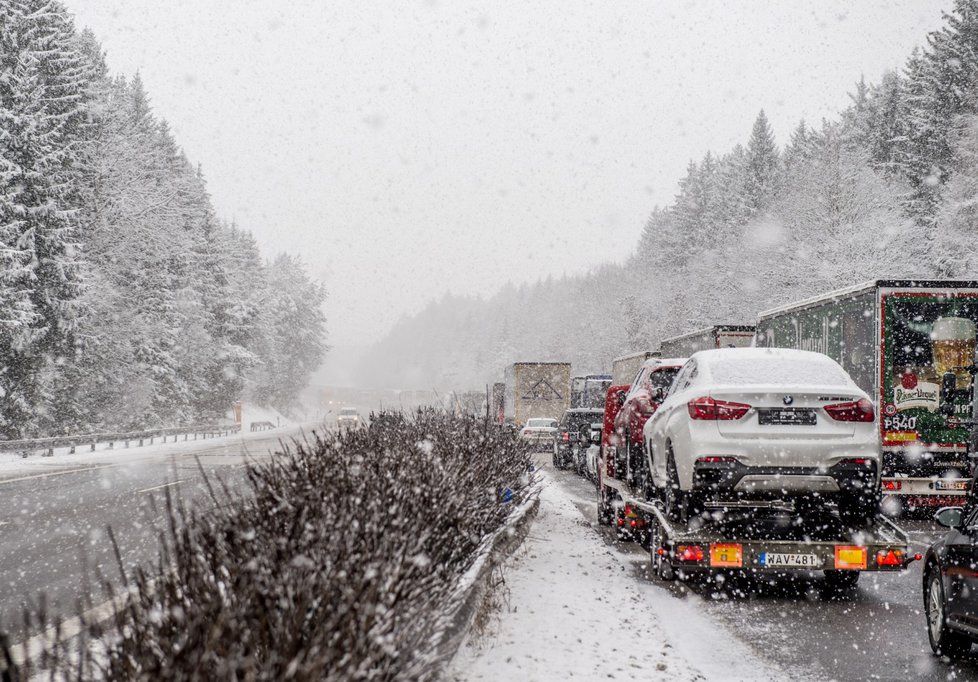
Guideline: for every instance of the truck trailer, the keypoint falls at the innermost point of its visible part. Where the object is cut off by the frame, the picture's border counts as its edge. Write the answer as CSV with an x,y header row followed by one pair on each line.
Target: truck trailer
x,y
898,339
717,336
624,368
536,389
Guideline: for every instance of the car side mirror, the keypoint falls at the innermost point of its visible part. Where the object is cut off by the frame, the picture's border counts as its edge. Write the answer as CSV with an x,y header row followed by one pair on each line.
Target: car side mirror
x,y
658,394
949,517
620,397
949,384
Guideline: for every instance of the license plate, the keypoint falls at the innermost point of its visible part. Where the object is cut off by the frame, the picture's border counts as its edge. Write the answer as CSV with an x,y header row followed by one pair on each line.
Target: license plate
x,y
786,417
789,560
950,485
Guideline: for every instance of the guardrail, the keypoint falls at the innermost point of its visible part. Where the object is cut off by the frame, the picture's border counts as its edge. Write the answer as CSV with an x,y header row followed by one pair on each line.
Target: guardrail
x,y
47,445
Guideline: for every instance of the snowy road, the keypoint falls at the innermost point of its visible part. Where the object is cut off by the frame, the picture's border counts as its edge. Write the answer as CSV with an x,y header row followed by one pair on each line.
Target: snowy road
x,y
791,626
53,523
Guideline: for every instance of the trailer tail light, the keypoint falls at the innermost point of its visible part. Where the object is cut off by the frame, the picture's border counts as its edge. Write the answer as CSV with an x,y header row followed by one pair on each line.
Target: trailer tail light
x,y
710,409
889,557
850,557
726,555
892,485
566,436
690,554
857,411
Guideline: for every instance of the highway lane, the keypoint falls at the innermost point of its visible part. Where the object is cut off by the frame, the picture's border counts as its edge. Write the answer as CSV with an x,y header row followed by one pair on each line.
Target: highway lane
x,y
876,633
53,537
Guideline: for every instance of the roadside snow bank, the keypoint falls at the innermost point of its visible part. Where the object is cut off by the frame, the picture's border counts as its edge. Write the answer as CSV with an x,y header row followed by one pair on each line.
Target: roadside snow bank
x,y
573,610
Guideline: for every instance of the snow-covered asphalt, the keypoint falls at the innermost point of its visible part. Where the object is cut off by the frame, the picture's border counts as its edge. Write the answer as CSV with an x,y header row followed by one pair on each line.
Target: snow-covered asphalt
x,y
53,537
579,604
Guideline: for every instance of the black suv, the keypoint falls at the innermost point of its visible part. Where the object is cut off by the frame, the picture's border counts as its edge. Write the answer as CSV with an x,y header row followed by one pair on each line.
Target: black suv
x,y
574,436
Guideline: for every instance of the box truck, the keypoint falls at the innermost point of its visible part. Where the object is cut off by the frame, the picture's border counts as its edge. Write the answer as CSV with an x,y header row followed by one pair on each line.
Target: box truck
x,y
536,389
717,336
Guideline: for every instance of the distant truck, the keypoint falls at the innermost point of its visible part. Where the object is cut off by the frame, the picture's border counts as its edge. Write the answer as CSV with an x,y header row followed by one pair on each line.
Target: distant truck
x,y
899,340
588,391
536,389
624,369
717,336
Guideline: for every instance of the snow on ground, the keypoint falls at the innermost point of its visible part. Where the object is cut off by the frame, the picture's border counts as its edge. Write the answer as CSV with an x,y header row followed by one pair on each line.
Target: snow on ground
x,y
560,620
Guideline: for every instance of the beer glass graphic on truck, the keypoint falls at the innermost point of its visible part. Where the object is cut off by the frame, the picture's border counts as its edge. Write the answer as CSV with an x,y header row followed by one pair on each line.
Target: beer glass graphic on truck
x,y
953,347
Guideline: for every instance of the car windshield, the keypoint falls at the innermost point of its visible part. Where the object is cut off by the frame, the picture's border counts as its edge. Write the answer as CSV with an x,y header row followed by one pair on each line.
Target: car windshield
x,y
778,371
541,423
348,412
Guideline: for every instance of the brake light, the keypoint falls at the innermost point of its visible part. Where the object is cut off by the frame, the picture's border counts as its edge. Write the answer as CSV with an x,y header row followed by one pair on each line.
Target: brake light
x,y
708,408
857,411
690,553
566,435
892,557
892,485
857,461
713,459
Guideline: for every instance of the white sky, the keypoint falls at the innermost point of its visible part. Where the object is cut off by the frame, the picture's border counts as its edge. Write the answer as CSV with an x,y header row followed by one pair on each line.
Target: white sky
x,y
409,148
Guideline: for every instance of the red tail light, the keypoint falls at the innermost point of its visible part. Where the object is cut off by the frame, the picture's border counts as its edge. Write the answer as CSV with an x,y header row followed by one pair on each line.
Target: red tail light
x,y
713,459
690,553
858,411
708,408
892,485
857,461
892,557
566,437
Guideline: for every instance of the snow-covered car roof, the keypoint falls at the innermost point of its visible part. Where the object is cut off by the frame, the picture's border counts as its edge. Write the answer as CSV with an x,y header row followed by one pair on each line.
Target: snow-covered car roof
x,y
772,366
664,362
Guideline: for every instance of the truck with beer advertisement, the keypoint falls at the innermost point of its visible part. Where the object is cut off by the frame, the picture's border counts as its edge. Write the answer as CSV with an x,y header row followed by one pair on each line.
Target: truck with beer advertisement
x,y
902,341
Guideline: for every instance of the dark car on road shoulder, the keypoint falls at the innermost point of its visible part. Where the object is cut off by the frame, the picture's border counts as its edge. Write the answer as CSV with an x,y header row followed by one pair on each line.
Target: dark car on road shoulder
x,y
950,583
571,442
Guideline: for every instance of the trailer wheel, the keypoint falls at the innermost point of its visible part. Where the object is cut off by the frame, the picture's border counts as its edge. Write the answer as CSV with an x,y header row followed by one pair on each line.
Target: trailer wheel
x,y
606,514
841,581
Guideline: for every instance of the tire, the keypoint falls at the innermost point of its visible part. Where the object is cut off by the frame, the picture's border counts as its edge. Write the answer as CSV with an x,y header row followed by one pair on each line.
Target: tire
x,y
606,513
856,511
675,500
841,581
943,640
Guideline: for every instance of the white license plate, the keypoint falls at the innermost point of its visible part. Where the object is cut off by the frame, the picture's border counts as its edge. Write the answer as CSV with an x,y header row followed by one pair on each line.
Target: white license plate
x,y
784,560
950,485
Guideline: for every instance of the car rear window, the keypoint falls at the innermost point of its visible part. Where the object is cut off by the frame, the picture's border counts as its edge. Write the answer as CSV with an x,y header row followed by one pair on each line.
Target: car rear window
x,y
778,371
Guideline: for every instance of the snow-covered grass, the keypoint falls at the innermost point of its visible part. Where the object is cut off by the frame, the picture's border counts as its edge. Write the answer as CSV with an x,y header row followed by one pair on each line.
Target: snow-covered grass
x,y
576,608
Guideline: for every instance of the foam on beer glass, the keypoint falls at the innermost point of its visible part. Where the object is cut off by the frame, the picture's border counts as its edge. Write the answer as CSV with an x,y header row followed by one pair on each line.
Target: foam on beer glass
x,y
953,347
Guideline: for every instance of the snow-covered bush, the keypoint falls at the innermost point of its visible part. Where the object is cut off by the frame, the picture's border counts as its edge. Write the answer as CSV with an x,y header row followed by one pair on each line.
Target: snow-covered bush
x,y
336,564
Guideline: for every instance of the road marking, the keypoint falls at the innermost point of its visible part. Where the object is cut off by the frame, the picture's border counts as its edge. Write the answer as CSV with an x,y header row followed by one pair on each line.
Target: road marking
x,y
57,473
157,487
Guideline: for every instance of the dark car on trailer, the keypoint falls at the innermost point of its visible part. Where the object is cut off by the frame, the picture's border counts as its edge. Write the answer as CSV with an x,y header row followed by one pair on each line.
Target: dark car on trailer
x,y
574,437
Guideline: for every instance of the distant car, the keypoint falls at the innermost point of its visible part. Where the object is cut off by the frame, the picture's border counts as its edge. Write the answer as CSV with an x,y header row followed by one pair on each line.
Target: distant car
x,y
570,438
951,583
762,423
349,418
539,432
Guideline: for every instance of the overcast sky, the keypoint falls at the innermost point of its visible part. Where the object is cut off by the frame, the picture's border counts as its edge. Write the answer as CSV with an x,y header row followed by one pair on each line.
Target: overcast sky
x,y
405,149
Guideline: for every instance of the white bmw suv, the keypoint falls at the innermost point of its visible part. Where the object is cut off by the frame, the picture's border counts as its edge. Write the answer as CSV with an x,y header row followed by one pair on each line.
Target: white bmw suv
x,y
763,423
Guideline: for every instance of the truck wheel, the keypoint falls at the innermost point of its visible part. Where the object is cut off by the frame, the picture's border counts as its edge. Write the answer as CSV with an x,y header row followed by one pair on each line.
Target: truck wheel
x,y
841,581
943,641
